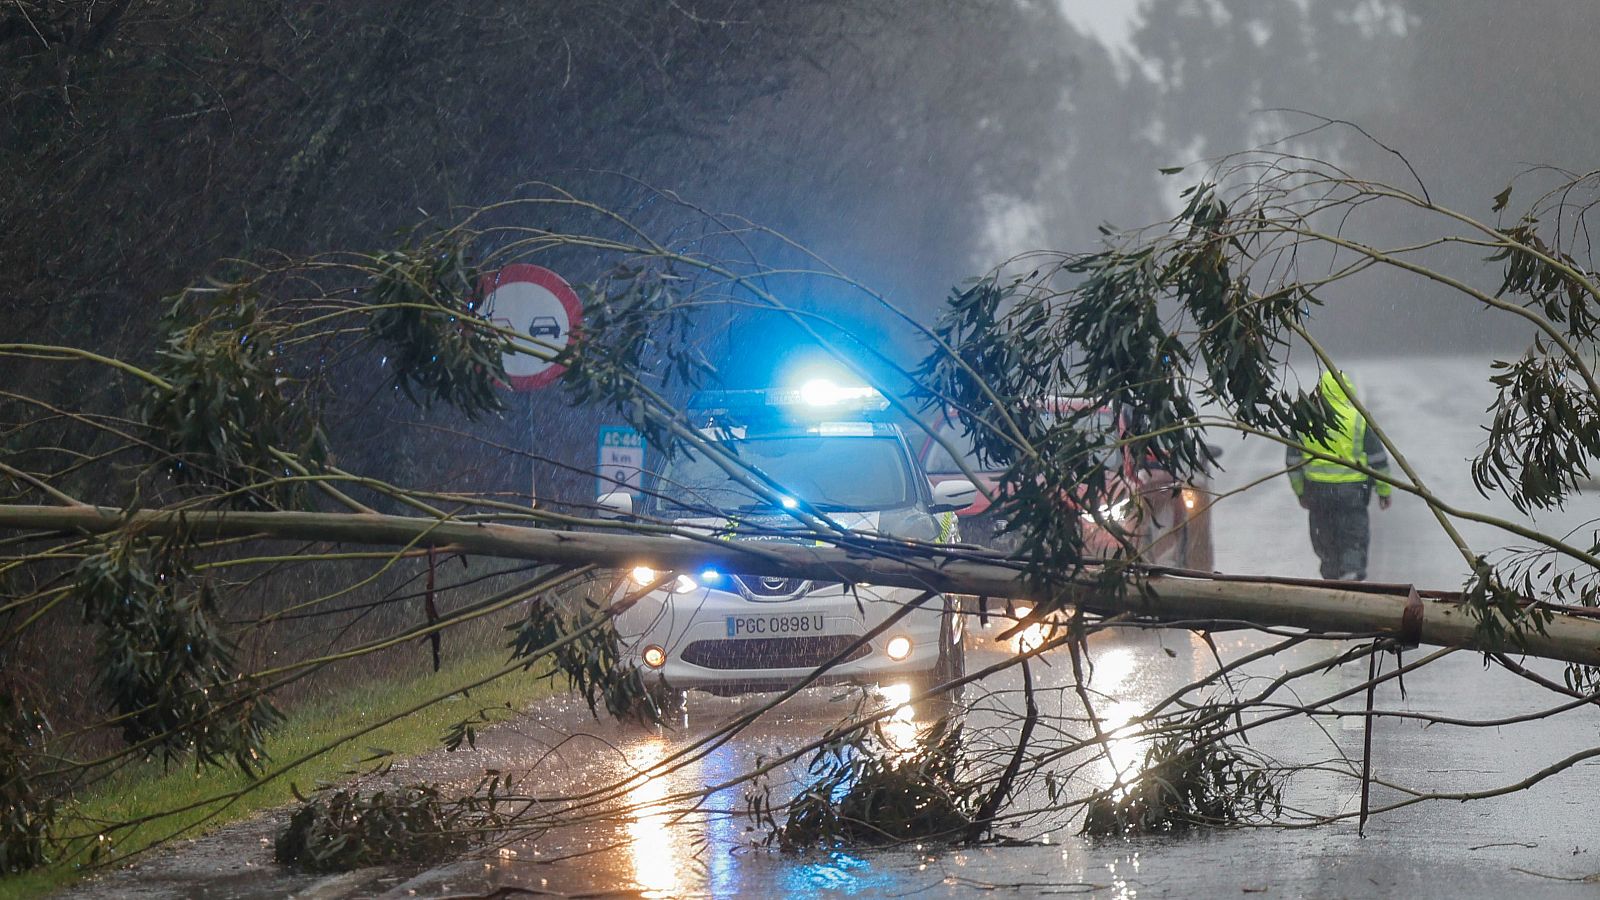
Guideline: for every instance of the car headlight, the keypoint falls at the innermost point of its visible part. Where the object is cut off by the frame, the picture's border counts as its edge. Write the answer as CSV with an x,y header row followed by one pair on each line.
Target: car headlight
x,y
898,648
644,576
1111,512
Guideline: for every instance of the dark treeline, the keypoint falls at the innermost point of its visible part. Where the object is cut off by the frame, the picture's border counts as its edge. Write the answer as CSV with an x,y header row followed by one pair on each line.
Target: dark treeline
x,y
913,143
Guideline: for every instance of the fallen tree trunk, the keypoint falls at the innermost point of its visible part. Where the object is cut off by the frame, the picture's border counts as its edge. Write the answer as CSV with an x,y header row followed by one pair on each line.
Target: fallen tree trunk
x,y
1432,620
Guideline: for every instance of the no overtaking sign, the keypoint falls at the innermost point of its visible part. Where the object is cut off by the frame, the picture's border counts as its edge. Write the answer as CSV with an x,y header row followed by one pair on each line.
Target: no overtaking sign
x,y
536,302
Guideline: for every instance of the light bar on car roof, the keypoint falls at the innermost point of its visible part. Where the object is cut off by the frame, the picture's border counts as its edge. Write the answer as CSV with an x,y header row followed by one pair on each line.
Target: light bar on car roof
x,y
812,400
822,393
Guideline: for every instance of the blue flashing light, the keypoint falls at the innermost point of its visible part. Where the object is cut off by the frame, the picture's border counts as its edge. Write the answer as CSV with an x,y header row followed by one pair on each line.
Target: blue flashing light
x,y
815,399
710,576
788,502
822,392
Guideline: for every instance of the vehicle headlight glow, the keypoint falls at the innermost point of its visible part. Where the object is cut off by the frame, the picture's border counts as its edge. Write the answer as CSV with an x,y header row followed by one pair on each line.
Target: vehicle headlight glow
x,y
1033,637
655,657
898,648
644,576
1111,512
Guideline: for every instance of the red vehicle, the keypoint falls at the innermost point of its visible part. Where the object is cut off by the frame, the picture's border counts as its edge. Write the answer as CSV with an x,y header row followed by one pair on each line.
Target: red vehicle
x,y
1167,518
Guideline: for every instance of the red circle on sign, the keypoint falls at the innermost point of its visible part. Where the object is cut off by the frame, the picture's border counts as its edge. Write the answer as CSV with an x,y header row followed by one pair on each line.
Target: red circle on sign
x,y
539,276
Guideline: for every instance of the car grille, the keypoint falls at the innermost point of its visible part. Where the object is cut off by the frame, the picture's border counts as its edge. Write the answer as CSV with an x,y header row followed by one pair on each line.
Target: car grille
x,y
755,587
774,588
772,653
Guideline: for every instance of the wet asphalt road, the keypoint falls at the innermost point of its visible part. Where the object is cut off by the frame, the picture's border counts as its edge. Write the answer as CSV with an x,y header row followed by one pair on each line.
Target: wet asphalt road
x,y
1537,843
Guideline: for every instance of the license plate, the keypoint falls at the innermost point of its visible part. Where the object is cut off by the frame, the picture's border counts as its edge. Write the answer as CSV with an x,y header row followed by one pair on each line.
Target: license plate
x,y
775,626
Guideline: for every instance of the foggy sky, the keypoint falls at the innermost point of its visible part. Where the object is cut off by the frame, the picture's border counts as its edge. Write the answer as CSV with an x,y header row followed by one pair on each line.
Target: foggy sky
x,y
1471,92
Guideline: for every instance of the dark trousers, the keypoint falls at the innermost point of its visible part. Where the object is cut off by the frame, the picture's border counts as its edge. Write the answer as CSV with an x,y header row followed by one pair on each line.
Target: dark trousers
x,y
1339,528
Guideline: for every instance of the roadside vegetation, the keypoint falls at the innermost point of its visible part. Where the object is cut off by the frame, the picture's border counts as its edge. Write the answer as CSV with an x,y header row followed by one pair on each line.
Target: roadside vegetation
x,y
348,732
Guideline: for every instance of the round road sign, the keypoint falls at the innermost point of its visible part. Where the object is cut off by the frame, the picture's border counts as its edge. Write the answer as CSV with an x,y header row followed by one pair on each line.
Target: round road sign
x,y
534,301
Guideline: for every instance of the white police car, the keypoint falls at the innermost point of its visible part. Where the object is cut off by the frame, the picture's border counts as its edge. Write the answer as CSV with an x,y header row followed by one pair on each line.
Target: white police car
x,y
729,632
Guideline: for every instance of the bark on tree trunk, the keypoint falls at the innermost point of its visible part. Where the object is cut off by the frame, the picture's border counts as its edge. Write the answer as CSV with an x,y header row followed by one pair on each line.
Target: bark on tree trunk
x,y
1443,622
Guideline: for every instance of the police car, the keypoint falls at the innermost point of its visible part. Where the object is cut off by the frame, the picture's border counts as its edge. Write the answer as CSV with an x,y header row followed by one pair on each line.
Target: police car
x,y
826,453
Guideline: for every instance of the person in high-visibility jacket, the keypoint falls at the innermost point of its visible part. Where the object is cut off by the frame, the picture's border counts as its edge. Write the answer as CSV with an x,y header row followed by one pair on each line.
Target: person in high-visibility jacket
x,y
1335,494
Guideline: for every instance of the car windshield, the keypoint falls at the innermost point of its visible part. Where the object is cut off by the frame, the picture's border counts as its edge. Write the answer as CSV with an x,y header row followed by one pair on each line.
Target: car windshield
x,y
830,473
941,462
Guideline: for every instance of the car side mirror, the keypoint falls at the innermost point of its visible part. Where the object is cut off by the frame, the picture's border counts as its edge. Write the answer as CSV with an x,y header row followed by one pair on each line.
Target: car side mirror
x,y
615,505
949,496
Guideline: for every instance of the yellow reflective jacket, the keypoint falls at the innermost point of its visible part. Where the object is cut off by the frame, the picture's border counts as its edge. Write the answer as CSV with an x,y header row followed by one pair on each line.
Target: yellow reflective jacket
x,y
1348,439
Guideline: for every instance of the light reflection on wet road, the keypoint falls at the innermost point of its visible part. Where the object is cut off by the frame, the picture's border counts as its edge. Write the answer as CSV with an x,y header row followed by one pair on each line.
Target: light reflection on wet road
x,y
1424,851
